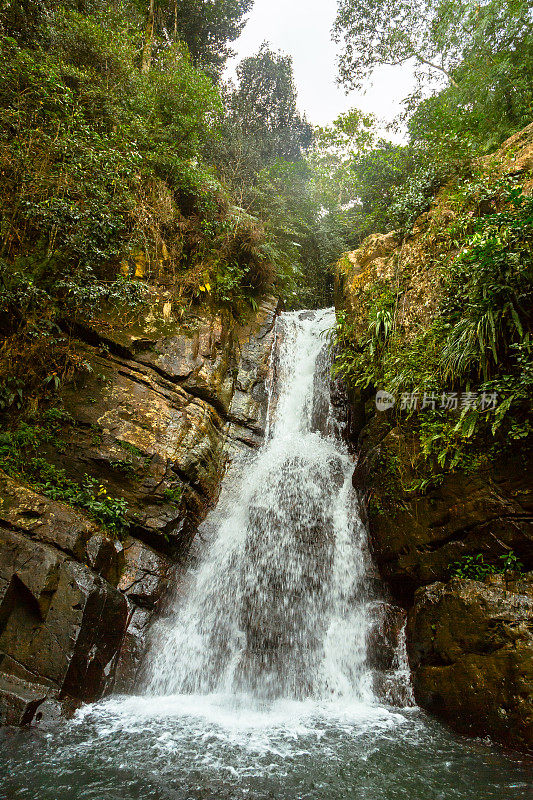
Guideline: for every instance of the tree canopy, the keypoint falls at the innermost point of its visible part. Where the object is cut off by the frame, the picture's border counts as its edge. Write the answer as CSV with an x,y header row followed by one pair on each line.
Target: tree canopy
x,y
435,34
206,26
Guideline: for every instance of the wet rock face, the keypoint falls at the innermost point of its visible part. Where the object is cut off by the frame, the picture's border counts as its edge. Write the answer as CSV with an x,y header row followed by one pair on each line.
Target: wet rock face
x,y
471,651
61,625
154,412
414,539
161,407
144,582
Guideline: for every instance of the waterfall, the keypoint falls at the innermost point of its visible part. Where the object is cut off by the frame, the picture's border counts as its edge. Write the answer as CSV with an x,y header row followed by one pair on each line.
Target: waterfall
x,y
280,670
282,604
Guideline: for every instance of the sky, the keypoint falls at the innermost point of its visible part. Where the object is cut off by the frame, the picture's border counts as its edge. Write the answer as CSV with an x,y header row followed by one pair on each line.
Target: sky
x,y
302,29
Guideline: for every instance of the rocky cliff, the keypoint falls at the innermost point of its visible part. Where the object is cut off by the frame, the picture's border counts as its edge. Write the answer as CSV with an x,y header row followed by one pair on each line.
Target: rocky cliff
x,y
159,406
451,484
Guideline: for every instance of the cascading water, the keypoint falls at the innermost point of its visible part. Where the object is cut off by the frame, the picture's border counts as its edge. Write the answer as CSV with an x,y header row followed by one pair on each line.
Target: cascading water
x,y
280,606
280,672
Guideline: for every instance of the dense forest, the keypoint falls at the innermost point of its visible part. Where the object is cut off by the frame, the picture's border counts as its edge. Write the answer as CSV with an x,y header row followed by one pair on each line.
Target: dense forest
x,y
126,154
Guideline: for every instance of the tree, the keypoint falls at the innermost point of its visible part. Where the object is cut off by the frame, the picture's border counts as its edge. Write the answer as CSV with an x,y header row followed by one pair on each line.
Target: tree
x,y
334,150
265,105
148,38
206,26
436,34
493,99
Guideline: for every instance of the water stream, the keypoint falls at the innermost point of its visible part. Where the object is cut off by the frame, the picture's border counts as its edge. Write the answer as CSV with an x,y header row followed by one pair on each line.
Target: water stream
x,y
281,605
280,670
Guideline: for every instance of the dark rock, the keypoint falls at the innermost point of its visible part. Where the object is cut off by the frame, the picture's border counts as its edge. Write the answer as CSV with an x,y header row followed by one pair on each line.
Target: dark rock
x,y
69,530
415,538
99,632
384,636
20,700
105,556
29,575
166,403
43,519
471,652
146,574
59,621
132,650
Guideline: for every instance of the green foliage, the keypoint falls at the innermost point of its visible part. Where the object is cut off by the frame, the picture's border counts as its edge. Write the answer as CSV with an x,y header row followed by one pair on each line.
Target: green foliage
x,y
336,148
125,467
438,35
474,63
173,495
132,449
488,288
478,338
82,133
11,393
264,104
206,28
90,495
476,568
19,457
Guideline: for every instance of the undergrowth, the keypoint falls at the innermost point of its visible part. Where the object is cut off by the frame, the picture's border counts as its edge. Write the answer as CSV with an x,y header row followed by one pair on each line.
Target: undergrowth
x,y
476,568
470,369
19,458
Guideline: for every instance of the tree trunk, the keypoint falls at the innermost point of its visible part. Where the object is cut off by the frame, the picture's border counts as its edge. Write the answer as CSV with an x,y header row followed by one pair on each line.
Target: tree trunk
x,y
148,38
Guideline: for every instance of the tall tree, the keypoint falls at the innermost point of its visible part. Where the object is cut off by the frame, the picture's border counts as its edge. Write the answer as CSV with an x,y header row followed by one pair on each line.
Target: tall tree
x,y
435,34
206,26
335,148
265,104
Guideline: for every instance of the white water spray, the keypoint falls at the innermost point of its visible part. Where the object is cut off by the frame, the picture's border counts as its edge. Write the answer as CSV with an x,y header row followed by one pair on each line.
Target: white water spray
x,y
281,606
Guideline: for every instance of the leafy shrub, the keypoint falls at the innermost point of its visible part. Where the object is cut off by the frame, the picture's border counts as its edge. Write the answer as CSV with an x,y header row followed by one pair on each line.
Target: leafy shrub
x,y
478,338
488,288
18,458
476,568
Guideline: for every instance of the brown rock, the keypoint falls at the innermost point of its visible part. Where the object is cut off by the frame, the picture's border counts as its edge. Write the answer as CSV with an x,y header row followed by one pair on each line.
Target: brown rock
x,y
59,621
19,700
163,403
154,421
69,530
415,538
471,651
146,574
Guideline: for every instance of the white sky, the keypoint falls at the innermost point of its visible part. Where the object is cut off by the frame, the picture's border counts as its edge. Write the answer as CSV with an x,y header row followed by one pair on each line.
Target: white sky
x,y
302,29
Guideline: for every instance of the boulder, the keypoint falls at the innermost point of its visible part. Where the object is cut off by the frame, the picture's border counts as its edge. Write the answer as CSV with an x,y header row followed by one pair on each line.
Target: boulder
x,y
20,700
471,652
146,574
132,650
